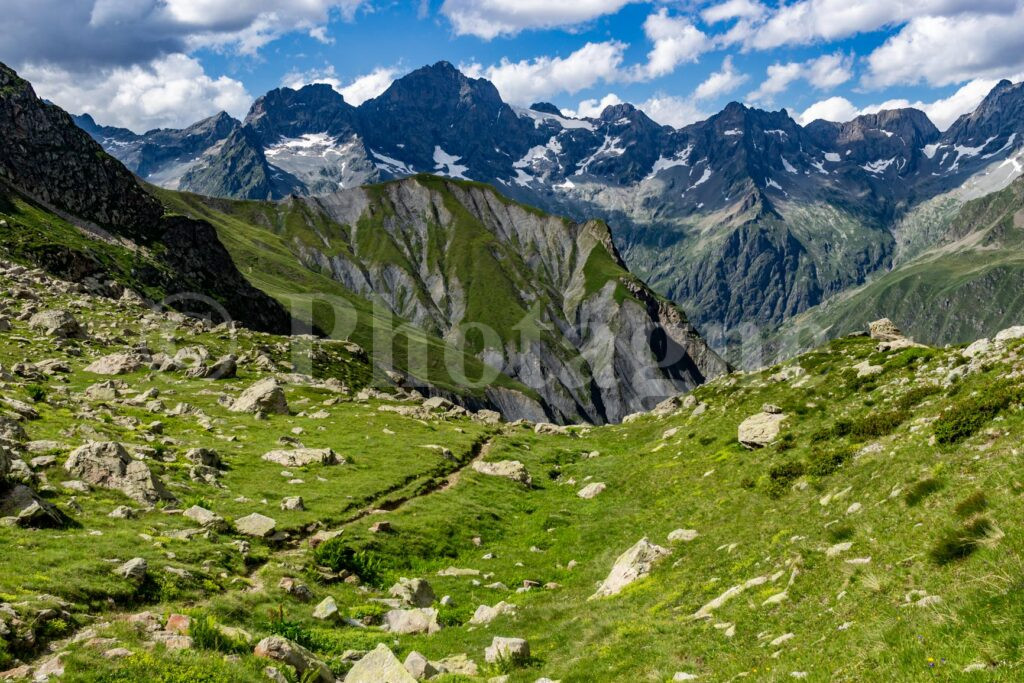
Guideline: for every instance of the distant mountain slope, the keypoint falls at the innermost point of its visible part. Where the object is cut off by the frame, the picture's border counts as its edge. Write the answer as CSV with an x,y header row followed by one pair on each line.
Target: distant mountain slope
x,y
969,284
545,300
745,218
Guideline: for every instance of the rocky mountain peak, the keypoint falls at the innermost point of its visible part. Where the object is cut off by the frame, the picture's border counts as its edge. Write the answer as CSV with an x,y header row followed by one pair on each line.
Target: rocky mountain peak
x,y
285,112
999,115
546,108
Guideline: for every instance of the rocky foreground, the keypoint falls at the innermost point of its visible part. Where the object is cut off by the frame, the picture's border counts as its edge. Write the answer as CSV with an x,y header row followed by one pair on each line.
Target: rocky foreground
x,y
186,502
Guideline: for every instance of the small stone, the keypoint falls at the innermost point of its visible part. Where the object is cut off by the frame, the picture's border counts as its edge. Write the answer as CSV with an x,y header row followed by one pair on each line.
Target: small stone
x,y
327,609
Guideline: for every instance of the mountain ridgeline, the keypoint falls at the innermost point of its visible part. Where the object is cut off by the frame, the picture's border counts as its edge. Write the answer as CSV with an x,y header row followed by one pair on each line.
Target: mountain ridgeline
x,y
497,305
745,218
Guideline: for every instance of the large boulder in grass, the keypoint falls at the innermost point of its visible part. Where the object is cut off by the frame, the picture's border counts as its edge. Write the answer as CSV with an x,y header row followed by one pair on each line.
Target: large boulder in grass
x,y
302,660
759,430
116,364
415,592
300,457
256,525
510,469
409,621
108,465
265,396
634,564
515,650
57,323
379,666
884,330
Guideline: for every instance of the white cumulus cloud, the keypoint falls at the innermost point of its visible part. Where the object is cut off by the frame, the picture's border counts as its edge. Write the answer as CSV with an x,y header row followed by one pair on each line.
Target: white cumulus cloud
x,y
943,111
825,72
489,19
676,41
946,50
720,82
529,80
170,92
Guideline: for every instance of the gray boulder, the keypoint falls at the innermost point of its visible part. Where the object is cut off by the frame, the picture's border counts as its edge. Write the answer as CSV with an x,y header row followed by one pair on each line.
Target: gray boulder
x,y
107,464
116,364
634,564
57,323
510,469
133,570
408,621
379,666
759,430
415,592
265,396
256,525
507,649
300,457
302,660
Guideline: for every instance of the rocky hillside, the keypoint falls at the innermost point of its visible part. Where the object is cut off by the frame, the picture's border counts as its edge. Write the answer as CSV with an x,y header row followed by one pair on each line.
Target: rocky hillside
x,y
190,502
68,206
561,314
745,218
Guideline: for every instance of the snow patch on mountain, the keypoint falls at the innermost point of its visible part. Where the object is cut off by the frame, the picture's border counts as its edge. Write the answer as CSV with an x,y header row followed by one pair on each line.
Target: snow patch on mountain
x,y
446,164
541,117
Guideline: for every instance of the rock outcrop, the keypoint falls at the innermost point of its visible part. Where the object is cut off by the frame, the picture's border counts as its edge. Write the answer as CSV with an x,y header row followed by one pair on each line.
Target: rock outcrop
x,y
634,564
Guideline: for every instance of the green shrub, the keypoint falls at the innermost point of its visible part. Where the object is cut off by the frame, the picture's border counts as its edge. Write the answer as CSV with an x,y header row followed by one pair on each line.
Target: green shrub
x,y
972,504
921,490
878,424
958,543
785,442
822,463
781,476
207,635
36,392
916,395
909,357
964,419
339,556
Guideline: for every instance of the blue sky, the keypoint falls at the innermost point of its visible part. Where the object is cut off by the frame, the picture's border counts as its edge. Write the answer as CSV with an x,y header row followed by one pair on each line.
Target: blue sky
x,y
150,63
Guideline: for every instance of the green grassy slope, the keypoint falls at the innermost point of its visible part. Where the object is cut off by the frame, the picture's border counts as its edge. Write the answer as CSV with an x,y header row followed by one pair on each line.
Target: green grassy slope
x,y
914,467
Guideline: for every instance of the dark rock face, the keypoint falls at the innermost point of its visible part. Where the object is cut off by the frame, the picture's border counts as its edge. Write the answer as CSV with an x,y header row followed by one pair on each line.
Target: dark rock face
x,y
239,170
291,113
546,108
45,155
417,112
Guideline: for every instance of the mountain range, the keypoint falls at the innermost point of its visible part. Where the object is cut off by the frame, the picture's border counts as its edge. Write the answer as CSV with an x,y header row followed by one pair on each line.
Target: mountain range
x,y
744,219
452,288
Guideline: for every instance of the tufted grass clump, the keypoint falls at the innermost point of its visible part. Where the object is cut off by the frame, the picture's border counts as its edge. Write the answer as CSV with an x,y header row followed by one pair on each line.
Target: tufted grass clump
x,y
921,489
960,542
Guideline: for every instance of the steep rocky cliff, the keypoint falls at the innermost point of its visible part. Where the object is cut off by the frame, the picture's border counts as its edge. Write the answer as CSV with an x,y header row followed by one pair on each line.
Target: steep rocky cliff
x,y
546,300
